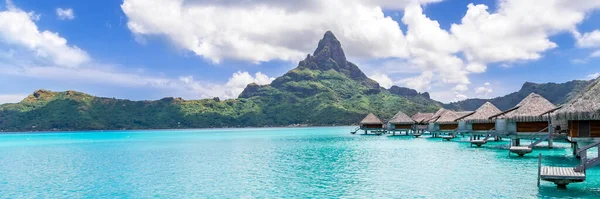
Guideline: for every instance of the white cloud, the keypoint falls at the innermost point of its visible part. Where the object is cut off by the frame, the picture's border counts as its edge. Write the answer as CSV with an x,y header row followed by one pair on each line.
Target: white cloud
x,y
383,80
460,88
262,31
595,54
90,75
433,48
18,28
232,89
420,83
484,91
459,97
579,61
106,75
11,98
593,76
588,40
65,13
519,30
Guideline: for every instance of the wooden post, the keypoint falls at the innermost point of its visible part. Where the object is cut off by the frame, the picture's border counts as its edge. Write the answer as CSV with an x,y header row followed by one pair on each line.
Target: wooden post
x,y
539,169
550,142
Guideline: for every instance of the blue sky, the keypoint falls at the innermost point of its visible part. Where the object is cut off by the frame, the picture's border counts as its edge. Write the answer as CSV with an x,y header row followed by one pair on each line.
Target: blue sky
x,y
196,49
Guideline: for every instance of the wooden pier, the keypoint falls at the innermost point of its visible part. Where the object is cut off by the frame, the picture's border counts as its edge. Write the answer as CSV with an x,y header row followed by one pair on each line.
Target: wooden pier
x,y
561,176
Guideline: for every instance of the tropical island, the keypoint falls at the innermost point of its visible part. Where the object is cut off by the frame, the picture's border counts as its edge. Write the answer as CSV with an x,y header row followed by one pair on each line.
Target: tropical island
x,y
325,89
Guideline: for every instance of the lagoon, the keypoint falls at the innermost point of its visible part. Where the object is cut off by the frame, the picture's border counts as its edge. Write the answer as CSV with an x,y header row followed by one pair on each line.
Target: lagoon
x,y
324,162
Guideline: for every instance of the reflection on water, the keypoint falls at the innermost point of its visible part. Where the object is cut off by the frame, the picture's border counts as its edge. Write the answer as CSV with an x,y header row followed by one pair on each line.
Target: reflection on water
x,y
273,163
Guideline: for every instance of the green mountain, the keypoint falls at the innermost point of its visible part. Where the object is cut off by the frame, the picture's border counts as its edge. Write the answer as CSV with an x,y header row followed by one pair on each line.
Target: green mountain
x,y
556,93
325,89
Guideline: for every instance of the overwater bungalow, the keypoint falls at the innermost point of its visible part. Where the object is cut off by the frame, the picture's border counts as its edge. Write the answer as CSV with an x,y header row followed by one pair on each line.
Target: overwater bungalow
x,y
371,123
582,116
421,123
528,119
479,123
401,122
444,121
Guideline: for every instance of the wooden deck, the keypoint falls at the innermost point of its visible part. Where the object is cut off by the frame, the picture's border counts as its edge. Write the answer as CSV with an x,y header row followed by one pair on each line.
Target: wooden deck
x,y
520,150
561,176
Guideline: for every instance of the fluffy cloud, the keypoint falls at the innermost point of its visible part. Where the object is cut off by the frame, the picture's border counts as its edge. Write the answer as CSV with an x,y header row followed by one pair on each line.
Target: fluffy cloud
x,y
383,80
595,54
519,30
106,75
588,40
11,98
459,97
421,83
433,48
484,91
261,31
232,89
18,29
460,88
65,13
593,76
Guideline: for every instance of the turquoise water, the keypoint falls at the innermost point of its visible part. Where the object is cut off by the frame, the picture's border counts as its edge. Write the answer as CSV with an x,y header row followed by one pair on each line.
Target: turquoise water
x,y
272,163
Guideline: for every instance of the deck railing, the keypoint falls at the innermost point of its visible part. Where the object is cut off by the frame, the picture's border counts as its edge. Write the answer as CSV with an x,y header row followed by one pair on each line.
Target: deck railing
x,y
540,132
489,134
584,162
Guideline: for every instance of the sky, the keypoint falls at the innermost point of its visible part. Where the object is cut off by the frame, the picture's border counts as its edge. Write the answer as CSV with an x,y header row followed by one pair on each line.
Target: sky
x,y
150,49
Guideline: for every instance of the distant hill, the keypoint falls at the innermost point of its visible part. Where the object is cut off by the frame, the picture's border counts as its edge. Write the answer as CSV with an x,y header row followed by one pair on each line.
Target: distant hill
x,y
556,93
325,89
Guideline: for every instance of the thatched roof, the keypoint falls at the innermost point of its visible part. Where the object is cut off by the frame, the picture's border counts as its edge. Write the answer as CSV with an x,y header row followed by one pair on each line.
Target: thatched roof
x,y
529,109
371,119
585,106
462,114
422,117
448,117
401,118
482,114
437,115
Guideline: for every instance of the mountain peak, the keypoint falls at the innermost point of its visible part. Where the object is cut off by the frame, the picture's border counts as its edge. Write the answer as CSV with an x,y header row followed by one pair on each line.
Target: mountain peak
x,y
330,47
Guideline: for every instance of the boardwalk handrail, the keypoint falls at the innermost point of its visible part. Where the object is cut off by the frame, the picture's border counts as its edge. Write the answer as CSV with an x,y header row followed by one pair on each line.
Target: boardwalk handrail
x,y
538,133
488,135
585,148
454,132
